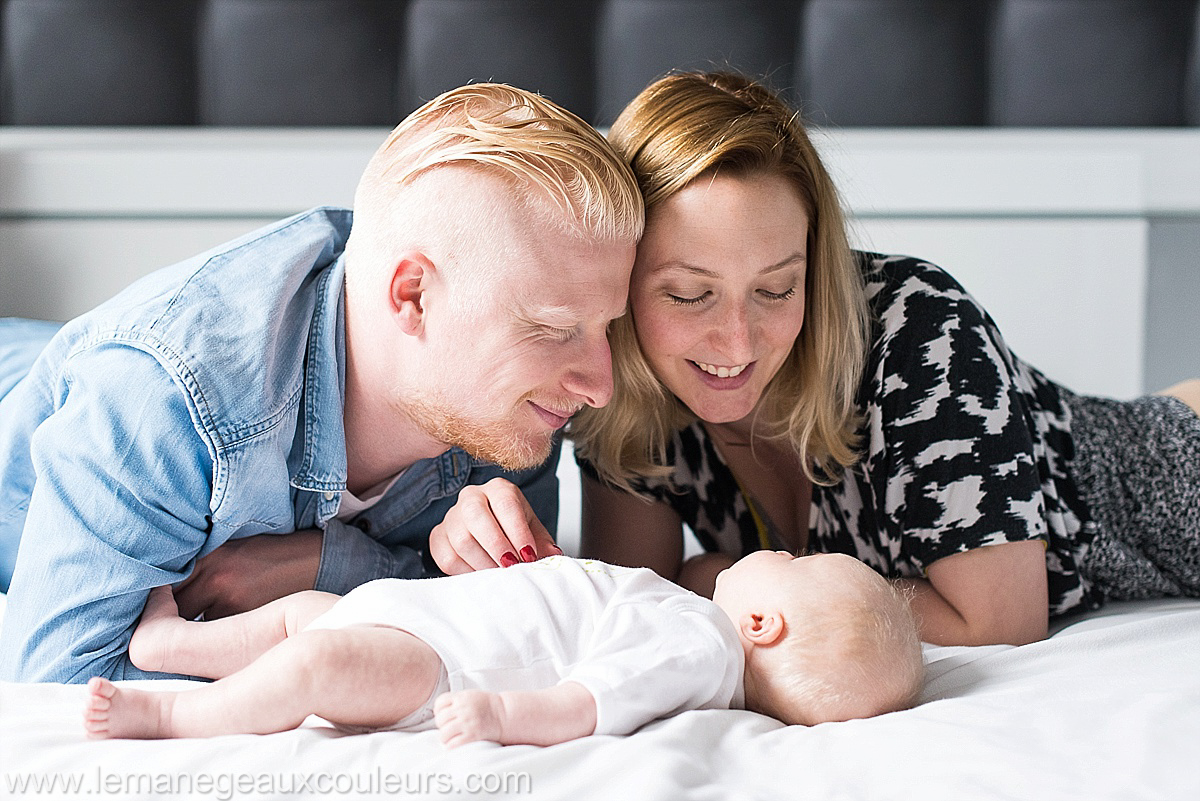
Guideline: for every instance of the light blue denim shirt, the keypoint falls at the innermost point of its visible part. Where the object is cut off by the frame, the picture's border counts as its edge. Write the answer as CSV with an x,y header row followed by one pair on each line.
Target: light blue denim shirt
x,y
203,403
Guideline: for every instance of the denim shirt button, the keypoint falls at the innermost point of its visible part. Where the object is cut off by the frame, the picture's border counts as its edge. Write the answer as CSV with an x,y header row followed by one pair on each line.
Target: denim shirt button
x,y
363,525
329,496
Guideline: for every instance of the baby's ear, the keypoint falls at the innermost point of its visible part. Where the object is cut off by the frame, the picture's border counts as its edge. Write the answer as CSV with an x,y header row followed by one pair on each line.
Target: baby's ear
x,y
762,629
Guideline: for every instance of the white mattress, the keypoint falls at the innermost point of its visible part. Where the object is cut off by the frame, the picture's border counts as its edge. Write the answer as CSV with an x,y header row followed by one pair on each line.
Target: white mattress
x,y
1107,708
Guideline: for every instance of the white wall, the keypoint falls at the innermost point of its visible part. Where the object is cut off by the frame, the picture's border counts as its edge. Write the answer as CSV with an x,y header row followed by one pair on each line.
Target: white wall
x,y
1068,294
85,211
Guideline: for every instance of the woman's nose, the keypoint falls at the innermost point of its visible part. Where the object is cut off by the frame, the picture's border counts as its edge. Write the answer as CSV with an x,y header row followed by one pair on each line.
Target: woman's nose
x,y
732,336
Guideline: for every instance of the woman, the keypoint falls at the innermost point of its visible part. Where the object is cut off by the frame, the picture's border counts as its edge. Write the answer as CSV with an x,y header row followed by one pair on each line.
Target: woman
x,y
774,389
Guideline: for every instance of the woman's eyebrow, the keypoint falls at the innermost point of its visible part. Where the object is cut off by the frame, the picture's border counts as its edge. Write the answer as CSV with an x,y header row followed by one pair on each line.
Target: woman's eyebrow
x,y
787,261
683,266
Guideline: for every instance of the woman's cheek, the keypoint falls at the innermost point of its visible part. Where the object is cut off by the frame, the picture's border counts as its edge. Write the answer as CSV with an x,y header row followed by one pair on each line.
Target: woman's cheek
x,y
661,335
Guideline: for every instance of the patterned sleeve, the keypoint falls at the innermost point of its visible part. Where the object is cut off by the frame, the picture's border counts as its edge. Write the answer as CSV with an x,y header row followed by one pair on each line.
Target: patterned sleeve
x,y
950,457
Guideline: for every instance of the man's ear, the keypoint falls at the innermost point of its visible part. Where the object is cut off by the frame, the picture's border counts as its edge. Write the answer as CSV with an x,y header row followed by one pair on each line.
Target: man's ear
x,y
762,629
411,279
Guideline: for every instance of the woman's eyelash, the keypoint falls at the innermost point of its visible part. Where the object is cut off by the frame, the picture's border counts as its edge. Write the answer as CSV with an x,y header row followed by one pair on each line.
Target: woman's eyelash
x,y
682,301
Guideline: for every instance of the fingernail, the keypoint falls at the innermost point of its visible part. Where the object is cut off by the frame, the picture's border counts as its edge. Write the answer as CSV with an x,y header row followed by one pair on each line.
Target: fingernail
x,y
509,559
528,554
560,550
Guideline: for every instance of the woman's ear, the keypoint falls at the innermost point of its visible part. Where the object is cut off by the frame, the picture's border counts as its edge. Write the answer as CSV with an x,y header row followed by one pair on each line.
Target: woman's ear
x,y
762,629
411,279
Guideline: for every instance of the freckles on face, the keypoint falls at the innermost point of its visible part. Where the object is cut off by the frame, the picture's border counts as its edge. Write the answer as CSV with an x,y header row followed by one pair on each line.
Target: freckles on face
x,y
717,292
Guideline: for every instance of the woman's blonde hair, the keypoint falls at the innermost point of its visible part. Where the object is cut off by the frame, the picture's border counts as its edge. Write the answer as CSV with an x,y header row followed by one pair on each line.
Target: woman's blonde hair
x,y
680,128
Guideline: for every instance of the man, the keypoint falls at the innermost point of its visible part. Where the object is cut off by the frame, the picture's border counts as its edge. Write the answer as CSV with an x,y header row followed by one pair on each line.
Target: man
x,y
336,385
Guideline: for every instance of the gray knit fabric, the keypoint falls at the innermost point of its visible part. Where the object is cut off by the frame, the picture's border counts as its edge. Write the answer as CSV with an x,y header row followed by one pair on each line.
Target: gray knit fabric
x,y
1137,467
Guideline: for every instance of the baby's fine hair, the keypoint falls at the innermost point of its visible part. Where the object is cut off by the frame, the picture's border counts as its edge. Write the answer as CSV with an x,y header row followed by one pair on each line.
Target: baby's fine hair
x,y
856,657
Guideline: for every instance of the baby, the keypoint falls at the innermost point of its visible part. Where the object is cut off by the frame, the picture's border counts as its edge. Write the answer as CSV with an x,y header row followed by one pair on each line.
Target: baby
x,y
537,653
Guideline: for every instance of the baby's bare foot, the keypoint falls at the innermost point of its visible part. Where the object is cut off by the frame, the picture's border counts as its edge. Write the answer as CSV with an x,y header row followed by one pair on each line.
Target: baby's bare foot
x,y
115,712
151,642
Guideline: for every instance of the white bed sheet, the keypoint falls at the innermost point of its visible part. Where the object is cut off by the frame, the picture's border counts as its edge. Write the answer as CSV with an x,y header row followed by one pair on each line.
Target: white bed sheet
x,y
1107,708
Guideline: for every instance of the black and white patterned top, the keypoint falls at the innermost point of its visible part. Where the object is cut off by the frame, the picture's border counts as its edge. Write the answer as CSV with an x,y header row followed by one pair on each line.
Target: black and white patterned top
x,y
963,444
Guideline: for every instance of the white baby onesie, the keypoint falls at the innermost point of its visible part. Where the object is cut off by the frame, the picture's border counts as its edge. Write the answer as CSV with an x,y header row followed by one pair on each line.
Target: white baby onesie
x,y
644,647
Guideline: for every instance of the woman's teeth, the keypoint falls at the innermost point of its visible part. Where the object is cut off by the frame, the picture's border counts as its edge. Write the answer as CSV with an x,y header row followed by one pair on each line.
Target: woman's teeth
x,y
721,372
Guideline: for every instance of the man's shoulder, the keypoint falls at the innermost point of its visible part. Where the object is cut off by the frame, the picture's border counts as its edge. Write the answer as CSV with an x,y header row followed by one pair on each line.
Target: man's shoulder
x,y
233,326
243,272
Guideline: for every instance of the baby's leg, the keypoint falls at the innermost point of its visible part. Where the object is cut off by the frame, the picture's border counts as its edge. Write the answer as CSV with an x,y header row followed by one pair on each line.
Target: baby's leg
x,y
369,676
163,641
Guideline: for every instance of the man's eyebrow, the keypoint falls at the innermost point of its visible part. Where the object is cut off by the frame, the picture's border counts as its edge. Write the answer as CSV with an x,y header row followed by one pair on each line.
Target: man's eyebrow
x,y
557,316
694,269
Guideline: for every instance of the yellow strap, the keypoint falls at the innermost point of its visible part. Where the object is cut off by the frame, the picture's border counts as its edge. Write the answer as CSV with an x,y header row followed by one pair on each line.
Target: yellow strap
x,y
764,537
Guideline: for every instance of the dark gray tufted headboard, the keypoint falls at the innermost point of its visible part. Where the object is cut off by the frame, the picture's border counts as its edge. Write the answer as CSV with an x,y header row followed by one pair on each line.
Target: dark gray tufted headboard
x,y
369,62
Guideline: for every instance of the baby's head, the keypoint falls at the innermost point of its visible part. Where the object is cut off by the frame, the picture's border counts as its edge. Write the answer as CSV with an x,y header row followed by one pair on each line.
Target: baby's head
x,y
826,637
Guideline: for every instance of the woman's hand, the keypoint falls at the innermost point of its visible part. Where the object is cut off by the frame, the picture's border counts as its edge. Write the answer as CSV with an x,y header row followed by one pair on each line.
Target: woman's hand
x,y
491,525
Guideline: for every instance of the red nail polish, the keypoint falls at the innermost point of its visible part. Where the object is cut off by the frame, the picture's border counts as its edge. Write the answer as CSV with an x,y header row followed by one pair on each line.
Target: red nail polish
x,y
528,554
509,559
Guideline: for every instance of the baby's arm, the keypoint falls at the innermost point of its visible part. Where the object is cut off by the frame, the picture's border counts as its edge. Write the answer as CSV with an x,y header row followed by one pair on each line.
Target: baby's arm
x,y
646,661
519,717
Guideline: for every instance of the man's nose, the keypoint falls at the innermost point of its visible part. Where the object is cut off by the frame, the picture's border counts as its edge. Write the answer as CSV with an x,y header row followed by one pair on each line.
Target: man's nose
x,y
590,377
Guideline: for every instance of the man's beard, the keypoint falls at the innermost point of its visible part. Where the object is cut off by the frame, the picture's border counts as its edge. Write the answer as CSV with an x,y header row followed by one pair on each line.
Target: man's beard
x,y
494,441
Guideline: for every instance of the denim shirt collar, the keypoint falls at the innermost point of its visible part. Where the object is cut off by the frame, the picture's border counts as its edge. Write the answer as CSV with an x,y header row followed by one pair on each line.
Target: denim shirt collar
x,y
321,462
318,463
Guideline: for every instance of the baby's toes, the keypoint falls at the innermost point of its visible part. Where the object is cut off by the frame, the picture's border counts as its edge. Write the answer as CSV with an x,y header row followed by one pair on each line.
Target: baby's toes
x,y
97,707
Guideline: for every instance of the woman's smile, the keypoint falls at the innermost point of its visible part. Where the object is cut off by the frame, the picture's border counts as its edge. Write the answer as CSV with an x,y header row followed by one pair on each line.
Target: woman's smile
x,y
723,378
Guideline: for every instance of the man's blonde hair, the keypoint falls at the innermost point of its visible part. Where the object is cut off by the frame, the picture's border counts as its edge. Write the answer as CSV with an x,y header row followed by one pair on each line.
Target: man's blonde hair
x,y
683,127
555,163
856,655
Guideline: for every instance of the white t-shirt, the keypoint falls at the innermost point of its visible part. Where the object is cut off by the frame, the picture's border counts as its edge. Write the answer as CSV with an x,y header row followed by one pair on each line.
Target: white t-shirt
x,y
351,505
644,647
